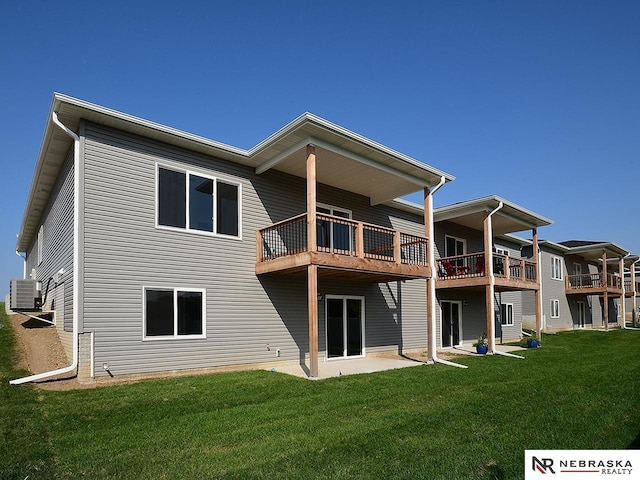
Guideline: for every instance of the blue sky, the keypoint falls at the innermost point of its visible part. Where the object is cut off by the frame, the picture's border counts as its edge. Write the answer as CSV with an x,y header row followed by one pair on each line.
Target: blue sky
x,y
538,102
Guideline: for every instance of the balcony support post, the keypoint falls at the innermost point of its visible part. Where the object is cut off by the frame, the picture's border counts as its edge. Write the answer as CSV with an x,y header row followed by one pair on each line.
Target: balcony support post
x,y
397,255
634,289
604,282
312,270
623,312
537,291
431,290
490,287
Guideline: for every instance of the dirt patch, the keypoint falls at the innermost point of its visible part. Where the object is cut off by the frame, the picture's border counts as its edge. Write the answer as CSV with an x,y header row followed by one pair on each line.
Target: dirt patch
x,y
40,350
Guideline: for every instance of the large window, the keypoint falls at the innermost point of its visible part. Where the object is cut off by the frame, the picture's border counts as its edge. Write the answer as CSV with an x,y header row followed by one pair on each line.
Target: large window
x,y
172,312
198,203
555,308
454,246
556,268
506,314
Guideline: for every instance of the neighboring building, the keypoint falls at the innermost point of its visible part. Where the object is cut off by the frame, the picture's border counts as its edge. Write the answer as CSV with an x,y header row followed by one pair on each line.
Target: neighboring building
x,y
576,291
159,250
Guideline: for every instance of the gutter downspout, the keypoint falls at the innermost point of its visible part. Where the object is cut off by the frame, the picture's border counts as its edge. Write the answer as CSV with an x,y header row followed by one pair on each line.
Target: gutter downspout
x,y
24,265
543,320
76,255
432,284
634,302
492,281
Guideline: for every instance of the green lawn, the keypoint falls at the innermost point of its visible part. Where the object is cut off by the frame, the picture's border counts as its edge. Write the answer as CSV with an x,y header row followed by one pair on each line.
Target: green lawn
x,y
581,390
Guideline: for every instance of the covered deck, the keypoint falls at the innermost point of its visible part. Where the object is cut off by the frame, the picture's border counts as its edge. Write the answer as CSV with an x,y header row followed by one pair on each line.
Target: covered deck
x,y
608,282
316,244
490,270
471,270
342,244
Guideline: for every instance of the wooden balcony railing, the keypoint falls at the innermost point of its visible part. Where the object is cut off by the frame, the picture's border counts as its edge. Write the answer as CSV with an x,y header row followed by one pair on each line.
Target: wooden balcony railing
x,y
341,236
473,265
593,280
628,286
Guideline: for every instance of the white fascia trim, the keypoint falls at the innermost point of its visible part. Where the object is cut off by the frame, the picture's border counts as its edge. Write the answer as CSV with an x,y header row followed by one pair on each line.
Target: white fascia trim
x,y
61,98
76,260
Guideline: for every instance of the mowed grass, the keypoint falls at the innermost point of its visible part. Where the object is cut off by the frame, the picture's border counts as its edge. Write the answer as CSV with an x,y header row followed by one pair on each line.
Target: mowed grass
x,y
580,391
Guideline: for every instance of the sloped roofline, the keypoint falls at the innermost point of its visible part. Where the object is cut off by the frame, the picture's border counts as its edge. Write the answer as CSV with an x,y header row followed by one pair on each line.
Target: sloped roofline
x,y
72,110
488,203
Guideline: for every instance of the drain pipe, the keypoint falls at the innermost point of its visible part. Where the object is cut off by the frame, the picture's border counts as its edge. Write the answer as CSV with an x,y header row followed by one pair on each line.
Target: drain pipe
x,y
76,255
492,280
634,301
24,265
432,341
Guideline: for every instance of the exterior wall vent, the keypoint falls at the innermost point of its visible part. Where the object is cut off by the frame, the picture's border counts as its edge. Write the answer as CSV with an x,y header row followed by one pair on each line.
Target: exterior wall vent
x,y
24,295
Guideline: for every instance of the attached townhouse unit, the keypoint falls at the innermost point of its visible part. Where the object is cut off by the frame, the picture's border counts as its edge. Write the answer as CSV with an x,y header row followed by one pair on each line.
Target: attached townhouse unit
x,y
582,284
156,250
481,272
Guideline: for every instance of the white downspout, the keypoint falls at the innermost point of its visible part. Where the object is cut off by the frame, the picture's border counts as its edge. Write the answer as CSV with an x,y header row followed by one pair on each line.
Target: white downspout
x,y
432,283
543,323
76,256
24,265
634,302
492,281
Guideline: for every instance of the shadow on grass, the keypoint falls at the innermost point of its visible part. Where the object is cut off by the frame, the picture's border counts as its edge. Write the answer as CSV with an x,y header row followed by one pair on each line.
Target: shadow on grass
x,y
635,445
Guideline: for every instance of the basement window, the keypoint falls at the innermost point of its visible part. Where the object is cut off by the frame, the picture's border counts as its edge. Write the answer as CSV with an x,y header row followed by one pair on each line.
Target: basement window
x,y
174,313
506,314
555,308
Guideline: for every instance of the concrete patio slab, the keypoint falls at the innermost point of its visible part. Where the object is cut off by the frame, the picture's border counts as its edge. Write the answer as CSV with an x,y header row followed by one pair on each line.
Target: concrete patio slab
x,y
351,366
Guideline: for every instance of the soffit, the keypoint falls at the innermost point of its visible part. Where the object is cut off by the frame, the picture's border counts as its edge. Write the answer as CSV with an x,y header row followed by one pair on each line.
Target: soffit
x,y
510,218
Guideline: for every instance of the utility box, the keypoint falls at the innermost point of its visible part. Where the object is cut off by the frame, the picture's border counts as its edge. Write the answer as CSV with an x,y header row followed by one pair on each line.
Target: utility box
x,y
24,295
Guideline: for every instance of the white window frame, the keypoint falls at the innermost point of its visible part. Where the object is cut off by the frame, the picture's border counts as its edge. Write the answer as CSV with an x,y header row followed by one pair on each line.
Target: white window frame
x,y
40,246
555,308
502,251
344,298
175,335
508,307
457,239
215,180
557,272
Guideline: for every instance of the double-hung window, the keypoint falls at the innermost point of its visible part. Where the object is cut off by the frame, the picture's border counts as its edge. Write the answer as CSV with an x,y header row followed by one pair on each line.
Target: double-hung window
x,y
556,268
506,314
174,313
198,203
555,308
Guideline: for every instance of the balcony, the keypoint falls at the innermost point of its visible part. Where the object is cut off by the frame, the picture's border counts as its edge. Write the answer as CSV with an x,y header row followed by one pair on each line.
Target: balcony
x,y
344,247
593,284
628,288
470,271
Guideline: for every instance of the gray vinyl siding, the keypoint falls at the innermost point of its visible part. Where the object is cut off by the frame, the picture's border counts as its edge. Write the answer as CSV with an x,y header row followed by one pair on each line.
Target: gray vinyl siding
x,y
247,318
509,332
554,289
57,250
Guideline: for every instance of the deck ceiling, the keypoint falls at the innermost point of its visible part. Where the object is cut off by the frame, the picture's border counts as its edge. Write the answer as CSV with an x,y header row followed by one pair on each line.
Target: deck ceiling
x,y
593,253
348,173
